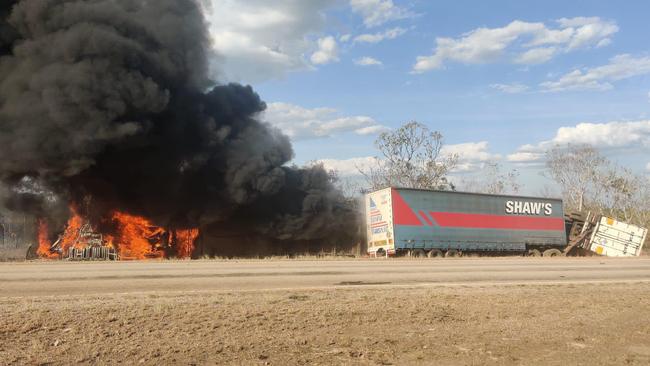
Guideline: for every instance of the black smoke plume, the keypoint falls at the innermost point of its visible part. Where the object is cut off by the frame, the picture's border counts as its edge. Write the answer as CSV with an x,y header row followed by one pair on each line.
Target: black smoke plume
x,y
111,99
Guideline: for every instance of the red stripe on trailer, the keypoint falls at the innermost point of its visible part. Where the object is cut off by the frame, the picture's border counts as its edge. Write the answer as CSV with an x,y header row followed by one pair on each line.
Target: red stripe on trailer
x,y
402,213
483,221
426,218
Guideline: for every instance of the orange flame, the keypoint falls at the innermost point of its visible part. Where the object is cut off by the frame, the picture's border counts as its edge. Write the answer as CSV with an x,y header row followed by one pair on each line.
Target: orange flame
x,y
134,237
44,243
185,239
70,237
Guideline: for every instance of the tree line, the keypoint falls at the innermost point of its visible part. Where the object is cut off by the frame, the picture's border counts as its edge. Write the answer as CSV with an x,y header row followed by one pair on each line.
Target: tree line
x,y
412,156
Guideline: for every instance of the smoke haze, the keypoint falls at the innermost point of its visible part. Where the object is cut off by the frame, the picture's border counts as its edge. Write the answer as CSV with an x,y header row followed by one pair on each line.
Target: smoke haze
x,y
111,99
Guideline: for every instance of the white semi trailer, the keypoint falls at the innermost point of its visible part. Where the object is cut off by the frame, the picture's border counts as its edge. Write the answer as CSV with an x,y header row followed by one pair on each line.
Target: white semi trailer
x,y
606,236
416,222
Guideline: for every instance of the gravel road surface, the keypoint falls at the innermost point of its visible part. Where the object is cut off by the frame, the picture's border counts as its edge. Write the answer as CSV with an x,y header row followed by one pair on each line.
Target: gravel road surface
x,y
52,278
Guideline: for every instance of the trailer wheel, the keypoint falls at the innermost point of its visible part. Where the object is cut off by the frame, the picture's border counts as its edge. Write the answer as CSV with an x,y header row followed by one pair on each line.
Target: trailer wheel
x,y
418,253
534,253
380,253
552,253
435,253
452,253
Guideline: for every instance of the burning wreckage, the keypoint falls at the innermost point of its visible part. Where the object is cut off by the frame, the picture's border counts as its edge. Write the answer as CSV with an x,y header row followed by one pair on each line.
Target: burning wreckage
x,y
136,238
115,100
87,244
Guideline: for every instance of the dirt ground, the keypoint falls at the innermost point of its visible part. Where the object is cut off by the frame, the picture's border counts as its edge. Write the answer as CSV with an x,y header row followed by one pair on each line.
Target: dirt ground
x,y
552,324
12,254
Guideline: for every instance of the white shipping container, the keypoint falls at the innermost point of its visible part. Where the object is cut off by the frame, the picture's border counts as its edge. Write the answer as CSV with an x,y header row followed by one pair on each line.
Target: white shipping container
x,y
617,239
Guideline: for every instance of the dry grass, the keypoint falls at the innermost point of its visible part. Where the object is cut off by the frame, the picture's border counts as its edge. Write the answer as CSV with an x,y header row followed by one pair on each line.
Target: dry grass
x,y
323,255
506,325
14,254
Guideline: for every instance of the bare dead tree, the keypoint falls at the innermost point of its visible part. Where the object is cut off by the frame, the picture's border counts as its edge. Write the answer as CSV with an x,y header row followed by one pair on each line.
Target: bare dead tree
x,y
623,194
591,182
411,157
578,171
492,179
548,192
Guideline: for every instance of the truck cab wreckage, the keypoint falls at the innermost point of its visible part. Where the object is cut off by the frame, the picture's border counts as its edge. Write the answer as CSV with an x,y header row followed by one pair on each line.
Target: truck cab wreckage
x,y
88,245
115,236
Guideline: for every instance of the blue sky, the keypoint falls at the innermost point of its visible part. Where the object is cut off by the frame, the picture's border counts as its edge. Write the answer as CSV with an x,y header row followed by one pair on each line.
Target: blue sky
x,y
501,80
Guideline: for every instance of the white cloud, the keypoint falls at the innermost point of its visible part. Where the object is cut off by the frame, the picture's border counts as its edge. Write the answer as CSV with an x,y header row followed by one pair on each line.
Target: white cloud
x,y
328,51
378,37
367,61
378,12
648,96
483,45
647,167
349,167
471,155
604,42
526,156
257,40
610,135
600,78
588,30
371,130
301,123
545,36
536,55
345,38
510,88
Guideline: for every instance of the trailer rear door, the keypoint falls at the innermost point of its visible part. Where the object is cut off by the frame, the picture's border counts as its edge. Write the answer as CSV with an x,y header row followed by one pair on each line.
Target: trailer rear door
x,y
617,239
379,221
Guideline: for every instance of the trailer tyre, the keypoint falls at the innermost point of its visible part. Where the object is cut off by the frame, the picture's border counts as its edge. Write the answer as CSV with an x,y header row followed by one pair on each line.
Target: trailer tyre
x,y
452,253
552,253
418,253
534,253
380,253
435,253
